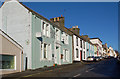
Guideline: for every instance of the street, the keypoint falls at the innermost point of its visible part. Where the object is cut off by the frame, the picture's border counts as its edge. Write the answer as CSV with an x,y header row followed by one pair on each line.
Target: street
x,y
104,68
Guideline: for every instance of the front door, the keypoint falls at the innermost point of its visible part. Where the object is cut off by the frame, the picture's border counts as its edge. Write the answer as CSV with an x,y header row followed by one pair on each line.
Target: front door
x,y
80,55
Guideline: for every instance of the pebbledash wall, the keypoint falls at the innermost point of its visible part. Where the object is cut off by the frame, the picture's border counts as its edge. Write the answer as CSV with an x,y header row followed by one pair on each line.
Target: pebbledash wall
x,y
25,27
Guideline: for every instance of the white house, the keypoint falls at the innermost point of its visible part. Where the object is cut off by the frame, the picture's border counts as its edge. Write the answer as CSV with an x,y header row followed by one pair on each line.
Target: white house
x,y
111,51
78,45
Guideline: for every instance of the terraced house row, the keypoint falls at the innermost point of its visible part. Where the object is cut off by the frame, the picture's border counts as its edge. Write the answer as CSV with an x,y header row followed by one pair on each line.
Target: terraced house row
x,y
41,42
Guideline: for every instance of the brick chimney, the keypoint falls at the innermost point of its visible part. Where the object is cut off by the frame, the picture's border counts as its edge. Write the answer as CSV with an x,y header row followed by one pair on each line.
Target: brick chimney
x,y
75,29
58,21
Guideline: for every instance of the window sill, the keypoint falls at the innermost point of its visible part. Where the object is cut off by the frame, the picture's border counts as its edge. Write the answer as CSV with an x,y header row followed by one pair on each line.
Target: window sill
x,y
45,59
65,61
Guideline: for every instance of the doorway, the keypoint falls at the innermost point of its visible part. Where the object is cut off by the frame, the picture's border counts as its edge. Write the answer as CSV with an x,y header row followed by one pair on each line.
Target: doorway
x,y
80,55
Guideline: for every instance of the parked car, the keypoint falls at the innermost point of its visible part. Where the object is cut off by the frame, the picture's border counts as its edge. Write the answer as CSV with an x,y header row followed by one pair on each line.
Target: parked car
x,y
110,57
118,58
97,58
90,58
101,57
106,57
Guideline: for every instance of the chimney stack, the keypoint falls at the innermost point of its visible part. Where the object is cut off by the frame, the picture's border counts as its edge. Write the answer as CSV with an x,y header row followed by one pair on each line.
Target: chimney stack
x,y
75,29
58,21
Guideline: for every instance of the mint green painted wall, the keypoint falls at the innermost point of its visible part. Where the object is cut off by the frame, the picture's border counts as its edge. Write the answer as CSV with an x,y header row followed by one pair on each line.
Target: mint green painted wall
x,y
36,51
69,47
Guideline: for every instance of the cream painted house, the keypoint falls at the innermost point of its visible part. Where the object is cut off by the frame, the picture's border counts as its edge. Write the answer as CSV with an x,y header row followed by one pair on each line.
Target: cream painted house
x,y
98,42
11,55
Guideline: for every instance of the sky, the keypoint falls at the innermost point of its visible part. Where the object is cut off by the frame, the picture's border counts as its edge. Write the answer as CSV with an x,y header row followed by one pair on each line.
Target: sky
x,y
67,0
95,19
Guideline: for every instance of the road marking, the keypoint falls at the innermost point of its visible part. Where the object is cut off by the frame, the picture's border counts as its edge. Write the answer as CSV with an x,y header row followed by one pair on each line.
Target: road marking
x,y
91,68
77,75
31,75
37,73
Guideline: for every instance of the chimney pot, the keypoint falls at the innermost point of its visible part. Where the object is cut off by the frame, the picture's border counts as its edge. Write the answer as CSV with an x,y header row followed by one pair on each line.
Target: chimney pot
x,y
76,26
58,18
54,19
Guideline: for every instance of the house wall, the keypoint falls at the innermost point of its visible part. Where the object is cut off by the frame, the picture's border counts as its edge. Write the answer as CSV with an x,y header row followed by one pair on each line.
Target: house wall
x,y
0,43
97,41
95,50
0,18
92,50
8,48
79,48
37,60
69,48
84,52
16,22
89,50
63,46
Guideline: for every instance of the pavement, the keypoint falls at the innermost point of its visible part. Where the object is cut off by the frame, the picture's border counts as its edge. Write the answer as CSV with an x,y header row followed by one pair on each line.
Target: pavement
x,y
105,68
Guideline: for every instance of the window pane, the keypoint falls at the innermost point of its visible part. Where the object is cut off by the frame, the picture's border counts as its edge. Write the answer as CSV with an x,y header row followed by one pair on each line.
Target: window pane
x,y
7,62
77,53
44,50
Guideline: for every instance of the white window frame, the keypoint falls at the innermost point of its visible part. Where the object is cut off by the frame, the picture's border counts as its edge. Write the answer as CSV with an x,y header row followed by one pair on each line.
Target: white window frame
x,y
45,31
57,34
67,39
44,50
15,62
50,52
65,55
43,26
48,30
